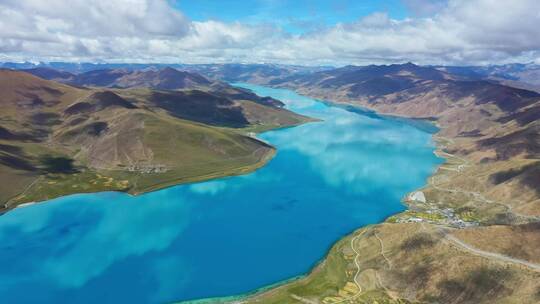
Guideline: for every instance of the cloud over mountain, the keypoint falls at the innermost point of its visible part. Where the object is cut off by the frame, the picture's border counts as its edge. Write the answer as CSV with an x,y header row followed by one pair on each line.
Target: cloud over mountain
x,y
457,31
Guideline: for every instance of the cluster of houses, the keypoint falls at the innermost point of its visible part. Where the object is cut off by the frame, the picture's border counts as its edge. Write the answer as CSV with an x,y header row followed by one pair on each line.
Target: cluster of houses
x,y
147,168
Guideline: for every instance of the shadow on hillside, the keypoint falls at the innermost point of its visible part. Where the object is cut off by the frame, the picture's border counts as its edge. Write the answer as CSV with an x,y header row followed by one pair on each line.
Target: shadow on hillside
x,y
54,164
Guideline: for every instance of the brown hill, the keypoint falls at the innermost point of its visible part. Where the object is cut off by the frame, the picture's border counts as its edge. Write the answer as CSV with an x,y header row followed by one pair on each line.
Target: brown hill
x,y
495,127
162,79
98,101
56,139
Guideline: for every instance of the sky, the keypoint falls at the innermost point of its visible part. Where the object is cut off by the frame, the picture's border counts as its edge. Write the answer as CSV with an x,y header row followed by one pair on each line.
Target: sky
x,y
296,17
304,32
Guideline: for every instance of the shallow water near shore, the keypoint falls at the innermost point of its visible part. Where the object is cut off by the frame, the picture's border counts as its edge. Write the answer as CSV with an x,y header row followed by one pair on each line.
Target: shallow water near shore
x,y
226,236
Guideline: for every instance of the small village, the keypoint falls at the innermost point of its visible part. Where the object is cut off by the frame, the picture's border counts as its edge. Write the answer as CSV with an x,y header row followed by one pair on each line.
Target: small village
x,y
148,168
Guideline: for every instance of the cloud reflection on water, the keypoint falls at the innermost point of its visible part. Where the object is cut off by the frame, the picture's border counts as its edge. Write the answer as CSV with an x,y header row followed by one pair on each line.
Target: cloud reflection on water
x,y
327,178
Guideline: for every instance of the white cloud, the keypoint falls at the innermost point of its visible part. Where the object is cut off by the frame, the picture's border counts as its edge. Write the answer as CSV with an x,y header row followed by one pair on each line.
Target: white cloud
x,y
453,32
101,18
463,32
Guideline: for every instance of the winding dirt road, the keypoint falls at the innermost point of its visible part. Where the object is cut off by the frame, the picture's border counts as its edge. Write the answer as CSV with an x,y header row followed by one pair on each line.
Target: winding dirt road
x,y
491,255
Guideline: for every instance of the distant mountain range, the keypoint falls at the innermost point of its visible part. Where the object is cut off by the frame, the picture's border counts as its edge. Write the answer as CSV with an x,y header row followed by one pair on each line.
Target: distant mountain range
x,y
85,66
163,79
160,79
226,72
520,75
253,73
526,76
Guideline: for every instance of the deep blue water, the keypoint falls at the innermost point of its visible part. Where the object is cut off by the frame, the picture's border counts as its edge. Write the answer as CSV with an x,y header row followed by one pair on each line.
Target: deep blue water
x,y
222,237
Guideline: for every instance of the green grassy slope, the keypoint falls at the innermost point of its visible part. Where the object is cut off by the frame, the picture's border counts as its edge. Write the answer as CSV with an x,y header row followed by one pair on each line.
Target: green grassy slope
x,y
182,151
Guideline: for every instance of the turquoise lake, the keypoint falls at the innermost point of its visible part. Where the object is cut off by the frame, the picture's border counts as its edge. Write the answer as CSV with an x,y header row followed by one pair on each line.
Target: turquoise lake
x,y
222,237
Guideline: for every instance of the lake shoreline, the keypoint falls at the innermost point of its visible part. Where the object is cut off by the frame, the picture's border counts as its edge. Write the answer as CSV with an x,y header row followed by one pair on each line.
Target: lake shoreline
x,y
438,148
317,260
182,181
187,181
